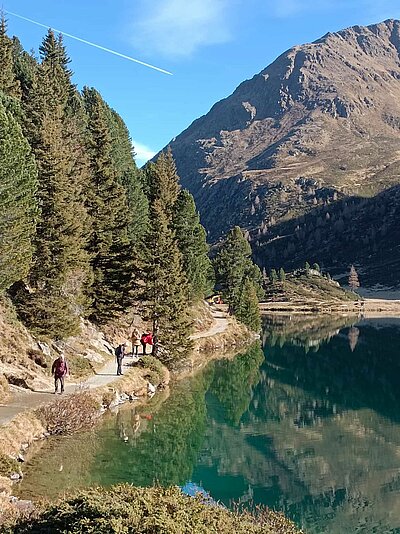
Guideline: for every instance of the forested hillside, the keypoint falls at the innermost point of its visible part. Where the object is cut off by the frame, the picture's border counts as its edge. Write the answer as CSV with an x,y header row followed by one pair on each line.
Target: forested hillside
x,y
83,232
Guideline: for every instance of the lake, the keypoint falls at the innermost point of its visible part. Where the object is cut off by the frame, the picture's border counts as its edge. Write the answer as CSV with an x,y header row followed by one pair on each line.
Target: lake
x,y
309,424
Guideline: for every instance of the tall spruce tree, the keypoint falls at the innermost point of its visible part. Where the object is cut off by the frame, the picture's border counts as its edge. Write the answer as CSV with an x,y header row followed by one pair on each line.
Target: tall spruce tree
x,y
163,182
8,81
247,310
166,290
107,203
129,176
191,238
234,267
18,205
55,298
166,287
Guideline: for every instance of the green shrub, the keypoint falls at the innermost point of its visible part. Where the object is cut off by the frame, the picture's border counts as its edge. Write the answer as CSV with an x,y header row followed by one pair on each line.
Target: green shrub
x,y
80,366
126,509
8,466
155,367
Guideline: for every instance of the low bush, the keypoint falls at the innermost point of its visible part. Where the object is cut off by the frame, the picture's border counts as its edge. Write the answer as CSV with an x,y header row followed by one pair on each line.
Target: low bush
x,y
156,369
108,398
8,466
80,366
126,509
70,414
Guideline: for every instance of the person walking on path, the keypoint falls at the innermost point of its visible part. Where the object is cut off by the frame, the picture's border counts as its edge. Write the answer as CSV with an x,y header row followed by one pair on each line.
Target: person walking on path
x,y
135,337
59,369
120,354
146,339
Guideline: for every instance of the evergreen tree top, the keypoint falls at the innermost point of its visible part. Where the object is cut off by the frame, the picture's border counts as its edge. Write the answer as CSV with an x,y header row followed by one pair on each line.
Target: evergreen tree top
x,y
163,181
3,24
53,51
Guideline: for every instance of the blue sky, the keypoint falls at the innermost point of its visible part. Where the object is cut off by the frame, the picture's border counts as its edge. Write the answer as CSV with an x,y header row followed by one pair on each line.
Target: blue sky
x,y
210,46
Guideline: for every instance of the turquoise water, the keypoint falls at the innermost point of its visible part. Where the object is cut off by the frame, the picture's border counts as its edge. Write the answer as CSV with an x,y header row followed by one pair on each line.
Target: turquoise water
x,y
309,425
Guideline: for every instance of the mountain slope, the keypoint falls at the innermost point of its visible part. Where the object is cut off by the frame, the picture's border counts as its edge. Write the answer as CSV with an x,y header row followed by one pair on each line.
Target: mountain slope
x,y
322,122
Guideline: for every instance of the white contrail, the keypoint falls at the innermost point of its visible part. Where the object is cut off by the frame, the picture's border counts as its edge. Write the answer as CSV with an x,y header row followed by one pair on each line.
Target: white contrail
x,y
89,43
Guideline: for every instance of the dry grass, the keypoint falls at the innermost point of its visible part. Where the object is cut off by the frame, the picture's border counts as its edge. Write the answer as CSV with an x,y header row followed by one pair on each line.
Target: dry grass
x,y
16,342
4,389
22,429
202,317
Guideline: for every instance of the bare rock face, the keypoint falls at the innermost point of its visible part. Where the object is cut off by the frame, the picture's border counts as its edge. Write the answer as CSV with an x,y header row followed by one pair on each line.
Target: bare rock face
x,y
320,123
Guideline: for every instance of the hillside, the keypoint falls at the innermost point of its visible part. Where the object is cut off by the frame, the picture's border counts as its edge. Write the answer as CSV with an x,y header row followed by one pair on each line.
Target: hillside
x,y
353,230
320,124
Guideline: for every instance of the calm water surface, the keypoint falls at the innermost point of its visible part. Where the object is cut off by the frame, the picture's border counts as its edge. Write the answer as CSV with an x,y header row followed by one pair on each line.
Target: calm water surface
x,y
309,425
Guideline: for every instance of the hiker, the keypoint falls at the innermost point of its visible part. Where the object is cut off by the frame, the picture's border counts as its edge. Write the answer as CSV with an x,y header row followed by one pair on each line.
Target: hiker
x,y
120,354
146,339
59,369
135,337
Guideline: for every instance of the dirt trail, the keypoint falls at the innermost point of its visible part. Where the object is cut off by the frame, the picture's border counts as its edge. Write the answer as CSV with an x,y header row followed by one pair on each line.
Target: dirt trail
x,y
220,325
25,399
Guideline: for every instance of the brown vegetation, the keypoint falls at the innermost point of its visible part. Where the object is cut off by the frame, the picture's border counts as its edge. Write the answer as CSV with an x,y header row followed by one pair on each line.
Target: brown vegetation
x,y
70,413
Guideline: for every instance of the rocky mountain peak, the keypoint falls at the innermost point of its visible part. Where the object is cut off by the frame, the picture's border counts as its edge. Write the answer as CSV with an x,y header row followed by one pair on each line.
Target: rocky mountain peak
x,y
320,123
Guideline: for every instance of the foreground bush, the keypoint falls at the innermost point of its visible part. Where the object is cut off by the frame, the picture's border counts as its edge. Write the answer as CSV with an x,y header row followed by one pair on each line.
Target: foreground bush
x,y
125,509
70,414
8,466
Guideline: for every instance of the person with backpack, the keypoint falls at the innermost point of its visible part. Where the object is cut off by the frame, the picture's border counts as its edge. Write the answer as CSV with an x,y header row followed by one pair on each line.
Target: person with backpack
x,y
120,354
59,370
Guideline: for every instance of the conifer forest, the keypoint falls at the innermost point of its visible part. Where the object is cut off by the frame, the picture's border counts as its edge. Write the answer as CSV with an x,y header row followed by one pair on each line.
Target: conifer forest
x,y
83,231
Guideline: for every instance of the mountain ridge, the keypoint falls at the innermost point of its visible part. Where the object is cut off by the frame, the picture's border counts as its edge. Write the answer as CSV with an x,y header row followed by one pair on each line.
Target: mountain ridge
x,y
320,123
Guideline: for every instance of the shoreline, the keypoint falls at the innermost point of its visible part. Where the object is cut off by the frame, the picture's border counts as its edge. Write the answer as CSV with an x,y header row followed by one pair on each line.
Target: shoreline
x,y
367,308
25,428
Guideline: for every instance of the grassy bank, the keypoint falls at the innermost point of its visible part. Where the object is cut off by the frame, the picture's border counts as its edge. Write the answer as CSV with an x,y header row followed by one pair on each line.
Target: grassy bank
x,y
307,288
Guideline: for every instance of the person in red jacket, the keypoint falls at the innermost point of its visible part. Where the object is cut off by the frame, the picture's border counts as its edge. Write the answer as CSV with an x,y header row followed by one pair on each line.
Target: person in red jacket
x,y
146,339
59,369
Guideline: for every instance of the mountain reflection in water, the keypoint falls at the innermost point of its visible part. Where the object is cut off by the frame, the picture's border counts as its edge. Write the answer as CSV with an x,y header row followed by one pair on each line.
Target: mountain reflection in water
x,y
310,426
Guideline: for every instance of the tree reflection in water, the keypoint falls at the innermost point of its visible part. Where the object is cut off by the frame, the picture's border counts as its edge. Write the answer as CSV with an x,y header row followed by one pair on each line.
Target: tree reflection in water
x,y
312,429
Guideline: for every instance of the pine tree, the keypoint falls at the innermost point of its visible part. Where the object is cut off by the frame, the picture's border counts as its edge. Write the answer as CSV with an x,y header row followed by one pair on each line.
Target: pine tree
x,y
316,267
130,177
109,246
166,289
233,267
354,282
55,298
166,286
191,238
273,276
248,311
163,182
8,81
18,205
282,275
307,268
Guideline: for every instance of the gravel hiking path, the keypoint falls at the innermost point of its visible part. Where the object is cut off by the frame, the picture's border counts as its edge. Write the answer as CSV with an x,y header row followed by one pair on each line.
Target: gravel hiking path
x,y
23,399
